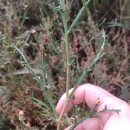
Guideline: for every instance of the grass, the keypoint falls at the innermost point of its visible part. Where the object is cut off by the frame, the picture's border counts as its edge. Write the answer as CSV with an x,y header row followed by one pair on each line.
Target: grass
x,y
60,52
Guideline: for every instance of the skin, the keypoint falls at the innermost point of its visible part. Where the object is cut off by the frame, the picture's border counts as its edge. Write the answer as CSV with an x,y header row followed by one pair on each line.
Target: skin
x,y
107,120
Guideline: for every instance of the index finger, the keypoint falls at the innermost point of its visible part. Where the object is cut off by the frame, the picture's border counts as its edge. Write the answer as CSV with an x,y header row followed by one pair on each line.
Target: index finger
x,y
88,93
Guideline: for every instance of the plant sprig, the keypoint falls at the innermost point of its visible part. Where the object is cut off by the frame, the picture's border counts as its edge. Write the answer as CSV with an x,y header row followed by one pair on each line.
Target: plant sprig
x,y
67,31
41,82
79,15
85,72
93,114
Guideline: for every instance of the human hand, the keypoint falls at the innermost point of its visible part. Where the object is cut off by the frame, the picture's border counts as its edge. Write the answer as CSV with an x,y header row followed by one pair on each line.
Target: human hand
x,y
106,120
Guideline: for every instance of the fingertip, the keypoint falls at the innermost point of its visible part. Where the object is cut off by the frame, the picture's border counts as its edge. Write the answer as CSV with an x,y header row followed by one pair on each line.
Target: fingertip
x,y
61,104
67,128
79,127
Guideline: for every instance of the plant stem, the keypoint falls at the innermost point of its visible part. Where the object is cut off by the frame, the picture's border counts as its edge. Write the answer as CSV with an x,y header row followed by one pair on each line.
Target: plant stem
x,y
95,59
64,19
41,83
68,66
62,112
93,114
22,124
24,18
78,15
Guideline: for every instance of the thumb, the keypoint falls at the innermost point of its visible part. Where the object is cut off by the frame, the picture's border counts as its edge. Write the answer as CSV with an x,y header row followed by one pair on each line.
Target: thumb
x,y
90,124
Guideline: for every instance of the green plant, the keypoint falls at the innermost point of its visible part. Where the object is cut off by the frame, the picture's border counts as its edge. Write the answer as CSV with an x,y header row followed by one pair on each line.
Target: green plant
x,y
43,80
59,55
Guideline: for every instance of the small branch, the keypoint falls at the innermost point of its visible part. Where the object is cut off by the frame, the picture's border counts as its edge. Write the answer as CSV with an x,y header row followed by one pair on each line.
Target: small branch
x,y
93,114
95,59
78,16
67,31
67,81
62,112
64,19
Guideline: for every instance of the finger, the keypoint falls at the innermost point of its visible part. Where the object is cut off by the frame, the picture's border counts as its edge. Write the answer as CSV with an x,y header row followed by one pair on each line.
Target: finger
x,y
88,93
118,123
78,99
90,124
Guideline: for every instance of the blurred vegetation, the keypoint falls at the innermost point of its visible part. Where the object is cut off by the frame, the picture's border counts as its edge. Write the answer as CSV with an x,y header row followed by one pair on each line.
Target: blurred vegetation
x,y
36,29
